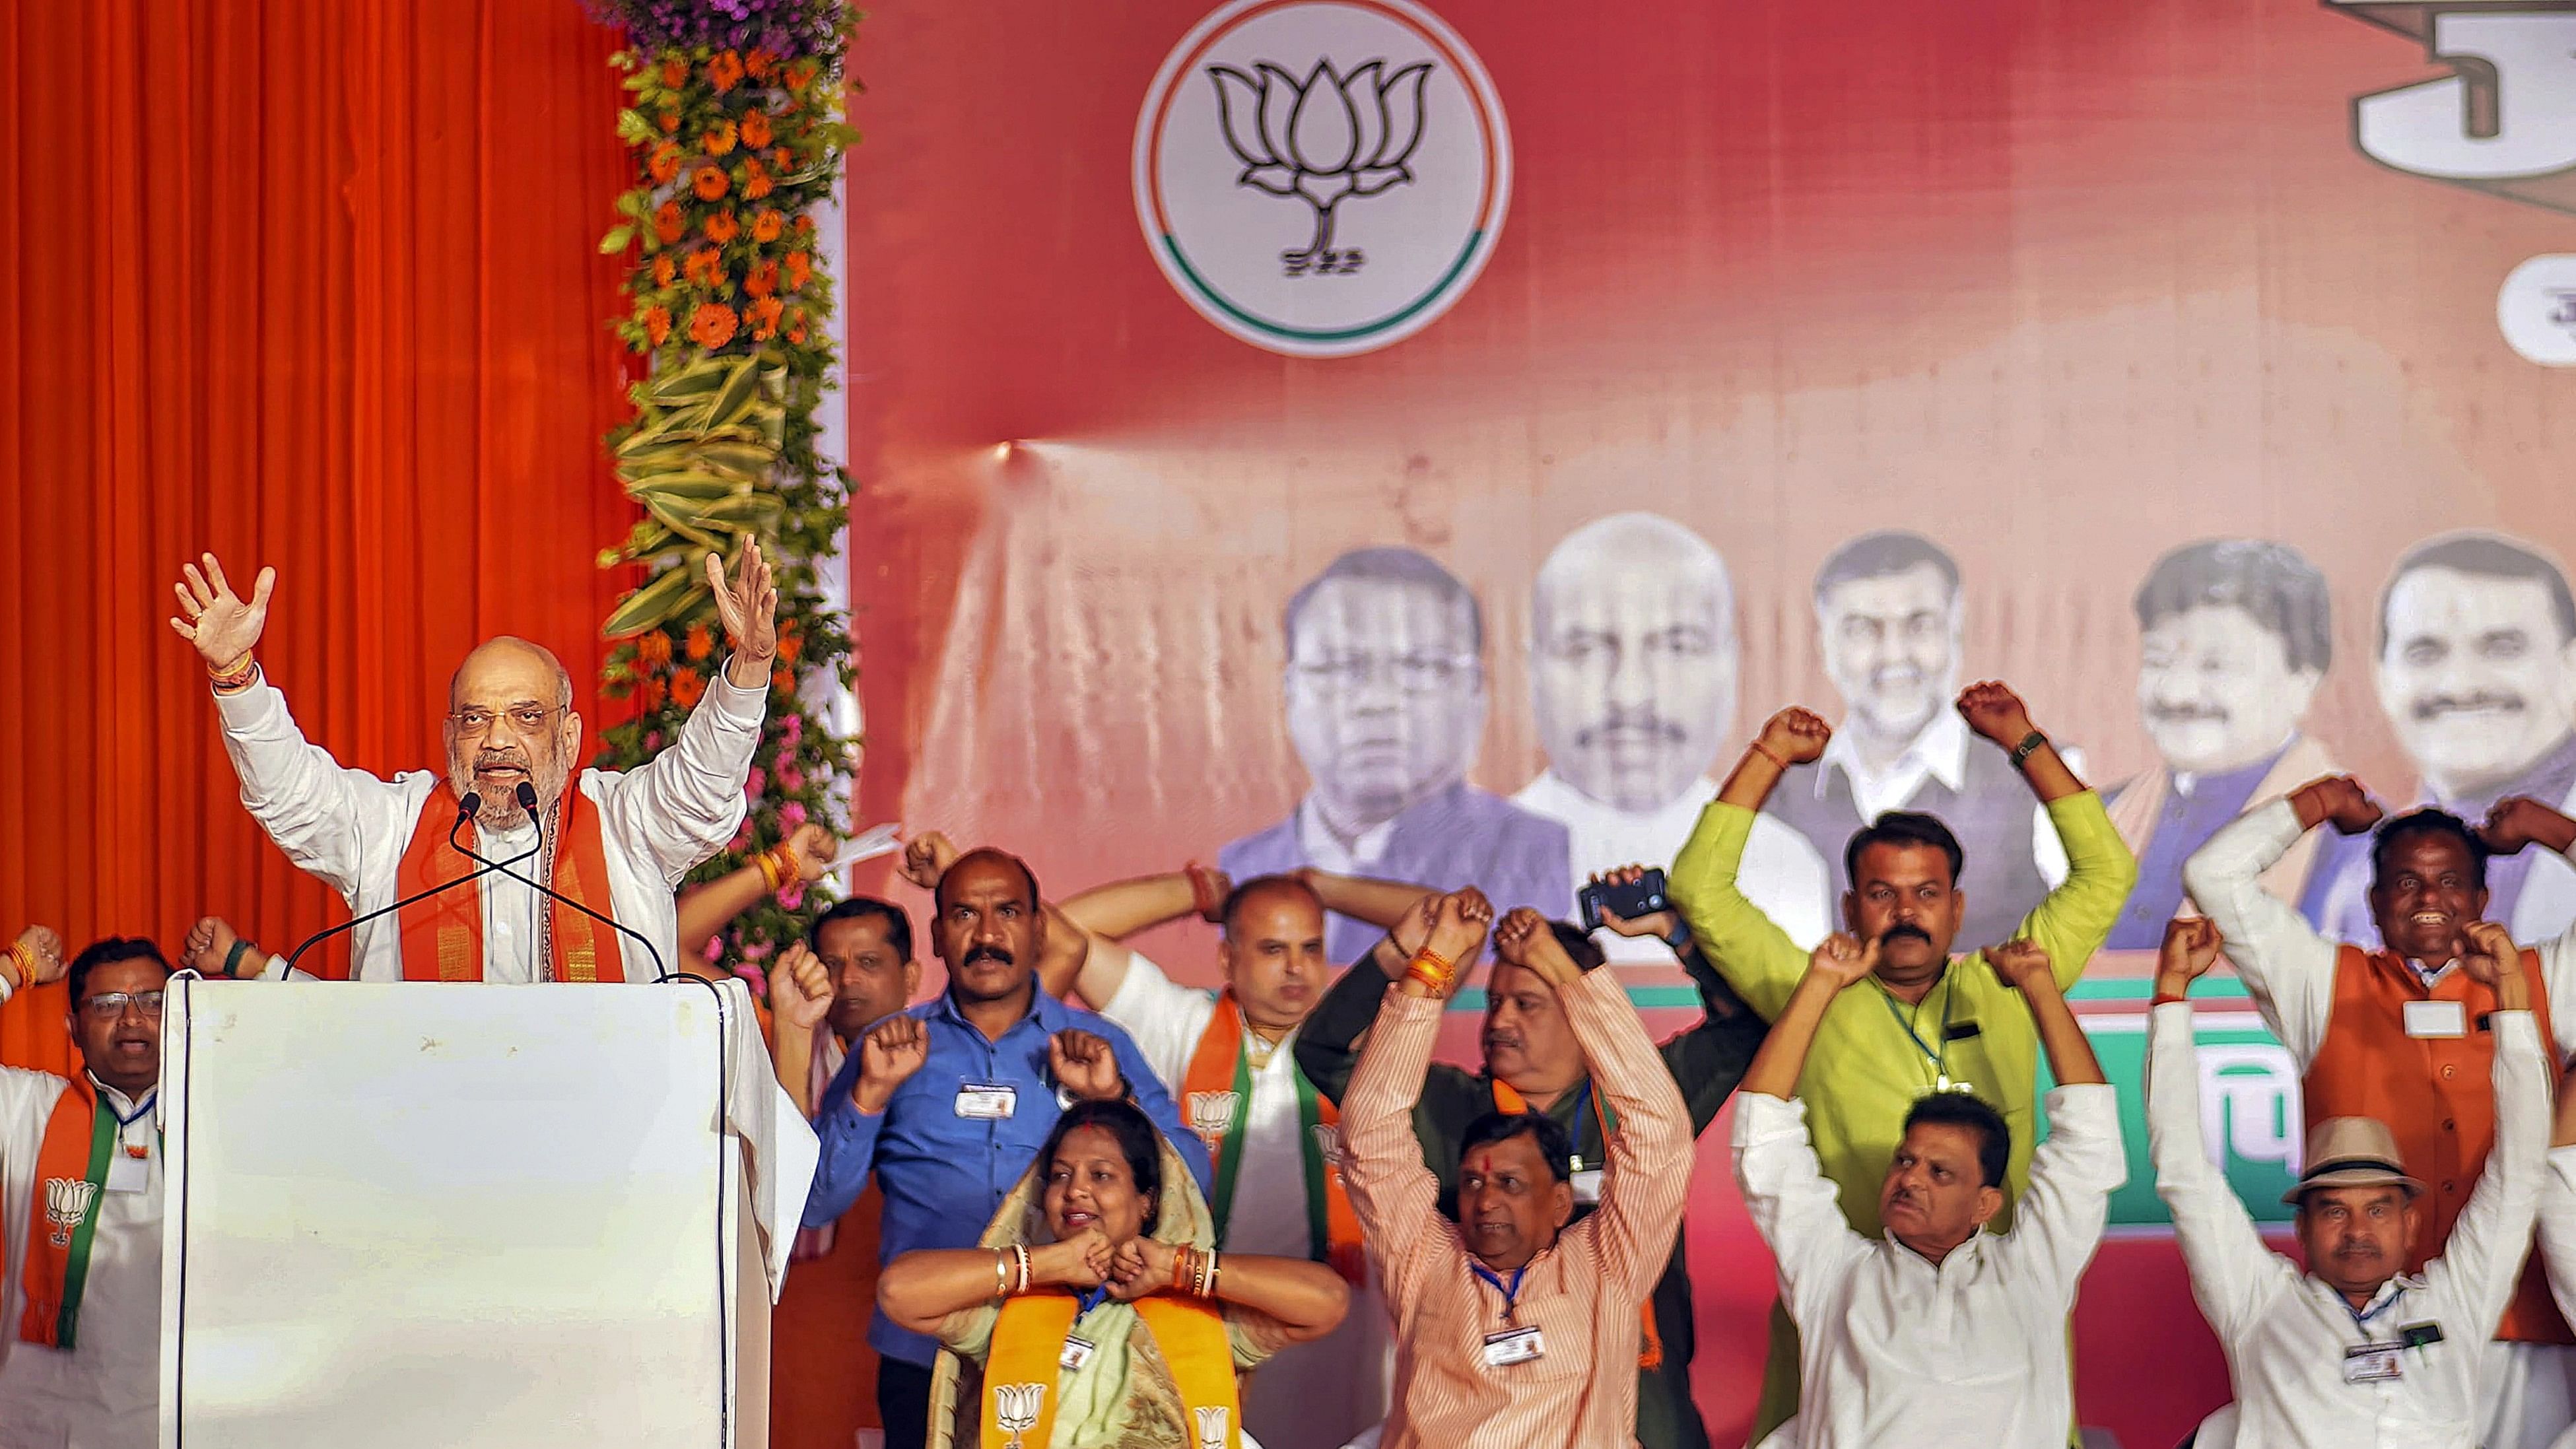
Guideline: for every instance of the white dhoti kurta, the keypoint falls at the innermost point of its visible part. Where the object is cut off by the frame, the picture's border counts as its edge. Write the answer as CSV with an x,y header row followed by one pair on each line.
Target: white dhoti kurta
x,y
1314,1395
350,828
104,1392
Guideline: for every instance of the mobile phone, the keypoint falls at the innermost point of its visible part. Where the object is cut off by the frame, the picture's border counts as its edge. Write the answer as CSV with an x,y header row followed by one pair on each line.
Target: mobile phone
x,y
1628,901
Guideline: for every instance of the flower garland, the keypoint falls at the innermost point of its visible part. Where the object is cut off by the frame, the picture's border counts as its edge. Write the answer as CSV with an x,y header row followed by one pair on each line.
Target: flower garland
x,y
736,124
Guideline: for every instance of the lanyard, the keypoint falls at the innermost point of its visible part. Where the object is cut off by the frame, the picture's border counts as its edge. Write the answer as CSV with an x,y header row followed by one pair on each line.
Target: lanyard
x,y
1089,1299
1509,1293
1229,1155
1940,1060
1583,1098
2361,1321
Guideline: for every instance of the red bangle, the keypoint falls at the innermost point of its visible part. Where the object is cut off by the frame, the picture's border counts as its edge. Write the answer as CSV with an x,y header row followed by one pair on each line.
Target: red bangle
x,y
1764,751
1203,894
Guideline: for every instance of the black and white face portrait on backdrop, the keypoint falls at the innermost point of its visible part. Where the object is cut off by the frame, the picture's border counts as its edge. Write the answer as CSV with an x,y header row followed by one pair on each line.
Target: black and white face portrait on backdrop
x,y
2234,638
1889,620
1632,659
2477,660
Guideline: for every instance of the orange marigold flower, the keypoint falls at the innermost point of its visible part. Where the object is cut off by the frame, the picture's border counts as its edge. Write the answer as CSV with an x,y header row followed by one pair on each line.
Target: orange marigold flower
x,y
796,326
668,223
701,643
713,324
800,270
705,268
805,225
650,693
675,71
764,317
783,159
722,227
719,139
664,163
657,325
802,74
711,183
654,649
766,224
755,129
687,689
665,271
725,71
789,646
783,681
761,280
670,123
757,64
756,184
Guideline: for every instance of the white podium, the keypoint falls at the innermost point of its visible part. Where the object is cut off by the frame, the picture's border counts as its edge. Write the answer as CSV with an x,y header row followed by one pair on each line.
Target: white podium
x,y
465,1215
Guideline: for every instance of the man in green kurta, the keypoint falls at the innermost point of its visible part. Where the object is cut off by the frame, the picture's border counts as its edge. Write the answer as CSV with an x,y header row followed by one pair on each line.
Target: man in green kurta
x,y
1919,1025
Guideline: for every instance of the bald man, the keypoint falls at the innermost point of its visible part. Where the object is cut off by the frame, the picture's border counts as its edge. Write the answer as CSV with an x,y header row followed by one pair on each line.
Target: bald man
x,y
1632,684
616,842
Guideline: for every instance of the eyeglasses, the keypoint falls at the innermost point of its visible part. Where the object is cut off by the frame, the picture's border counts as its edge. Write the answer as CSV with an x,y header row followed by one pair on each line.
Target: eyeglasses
x,y
527,719
1413,674
109,1005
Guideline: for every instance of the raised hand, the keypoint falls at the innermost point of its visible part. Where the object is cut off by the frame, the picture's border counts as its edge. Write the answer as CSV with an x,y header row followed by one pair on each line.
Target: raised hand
x,y
209,943
1085,1066
926,857
1995,712
1141,1267
215,619
46,946
800,989
1795,735
1084,1260
1413,931
748,605
1526,939
887,1059
1458,932
2337,800
2020,964
2189,949
1843,959
814,845
1213,886
2488,952
2518,820
1654,923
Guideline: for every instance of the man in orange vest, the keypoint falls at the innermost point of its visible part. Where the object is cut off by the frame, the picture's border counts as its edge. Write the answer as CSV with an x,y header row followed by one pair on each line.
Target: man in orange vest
x,y
80,1206
2401,1034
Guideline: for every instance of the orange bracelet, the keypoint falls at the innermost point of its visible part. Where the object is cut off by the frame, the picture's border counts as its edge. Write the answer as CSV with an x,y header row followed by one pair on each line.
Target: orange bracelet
x,y
1764,751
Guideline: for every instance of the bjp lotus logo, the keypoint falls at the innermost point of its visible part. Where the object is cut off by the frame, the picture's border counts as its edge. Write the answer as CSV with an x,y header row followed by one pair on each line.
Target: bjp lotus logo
x,y
1326,139
1212,1115
1015,1409
67,1202
1320,177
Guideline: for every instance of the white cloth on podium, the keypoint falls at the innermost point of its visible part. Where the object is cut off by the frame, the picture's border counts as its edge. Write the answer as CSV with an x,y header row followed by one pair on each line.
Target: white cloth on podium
x,y
350,828
104,1392
781,1149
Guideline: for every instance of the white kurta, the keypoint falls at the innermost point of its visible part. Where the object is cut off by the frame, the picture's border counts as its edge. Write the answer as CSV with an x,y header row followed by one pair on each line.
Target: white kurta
x,y
2287,1335
1781,872
1315,1395
1968,1354
104,1393
350,828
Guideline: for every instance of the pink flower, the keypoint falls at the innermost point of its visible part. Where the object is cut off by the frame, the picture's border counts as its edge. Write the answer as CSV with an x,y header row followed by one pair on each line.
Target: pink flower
x,y
756,951
715,948
791,814
756,782
653,740
792,896
791,730
790,778
752,974
741,839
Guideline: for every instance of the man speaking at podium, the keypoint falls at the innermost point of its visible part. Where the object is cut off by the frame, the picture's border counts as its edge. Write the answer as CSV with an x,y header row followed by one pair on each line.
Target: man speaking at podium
x,y
618,843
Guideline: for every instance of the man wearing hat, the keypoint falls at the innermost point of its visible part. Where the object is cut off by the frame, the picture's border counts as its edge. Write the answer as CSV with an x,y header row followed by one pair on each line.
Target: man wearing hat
x,y
2354,1350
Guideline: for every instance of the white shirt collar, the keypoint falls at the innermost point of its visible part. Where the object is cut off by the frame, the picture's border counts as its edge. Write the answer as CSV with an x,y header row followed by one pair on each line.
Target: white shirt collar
x,y
1325,850
1938,751
126,1108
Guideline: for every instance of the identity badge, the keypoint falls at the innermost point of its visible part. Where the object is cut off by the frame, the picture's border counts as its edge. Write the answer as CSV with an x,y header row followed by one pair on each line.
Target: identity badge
x,y
1516,1345
987,1101
1587,1187
2437,1019
2373,1363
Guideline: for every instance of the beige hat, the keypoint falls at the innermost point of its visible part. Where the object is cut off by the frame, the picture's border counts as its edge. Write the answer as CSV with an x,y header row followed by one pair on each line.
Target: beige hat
x,y
2352,1152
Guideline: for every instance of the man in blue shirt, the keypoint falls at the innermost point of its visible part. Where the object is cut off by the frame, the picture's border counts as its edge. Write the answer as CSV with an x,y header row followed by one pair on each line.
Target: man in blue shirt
x,y
949,1102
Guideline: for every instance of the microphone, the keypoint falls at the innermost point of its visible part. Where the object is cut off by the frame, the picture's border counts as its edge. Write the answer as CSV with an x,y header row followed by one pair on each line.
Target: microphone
x,y
526,795
465,810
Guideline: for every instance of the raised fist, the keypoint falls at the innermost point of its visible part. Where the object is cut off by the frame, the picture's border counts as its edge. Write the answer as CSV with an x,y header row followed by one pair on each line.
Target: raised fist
x,y
2189,949
1795,735
2018,962
926,857
1084,1065
1995,712
2489,952
2339,801
1842,959
800,989
888,1058
2518,820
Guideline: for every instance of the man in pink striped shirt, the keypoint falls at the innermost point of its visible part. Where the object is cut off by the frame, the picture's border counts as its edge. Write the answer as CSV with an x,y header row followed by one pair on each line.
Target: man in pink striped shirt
x,y
1503,1316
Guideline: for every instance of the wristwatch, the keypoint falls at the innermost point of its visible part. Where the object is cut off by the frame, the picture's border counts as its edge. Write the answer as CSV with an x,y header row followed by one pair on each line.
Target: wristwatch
x,y
2028,747
1679,939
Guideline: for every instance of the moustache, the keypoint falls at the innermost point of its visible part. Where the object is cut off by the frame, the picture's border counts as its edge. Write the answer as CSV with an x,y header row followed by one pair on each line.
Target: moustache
x,y
510,759
1904,930
2187,713
988,953
1623,728
2440,704
1506,1041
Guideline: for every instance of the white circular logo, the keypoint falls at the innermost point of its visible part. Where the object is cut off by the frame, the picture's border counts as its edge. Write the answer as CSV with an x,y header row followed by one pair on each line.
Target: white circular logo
x,y
1322,177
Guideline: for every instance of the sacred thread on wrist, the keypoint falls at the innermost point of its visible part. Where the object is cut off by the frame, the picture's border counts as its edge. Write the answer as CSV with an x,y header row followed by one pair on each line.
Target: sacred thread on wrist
x,y
235,677
1764,751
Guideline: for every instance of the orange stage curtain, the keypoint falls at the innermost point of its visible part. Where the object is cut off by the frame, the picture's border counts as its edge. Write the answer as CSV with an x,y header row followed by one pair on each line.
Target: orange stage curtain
x,y
312,283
